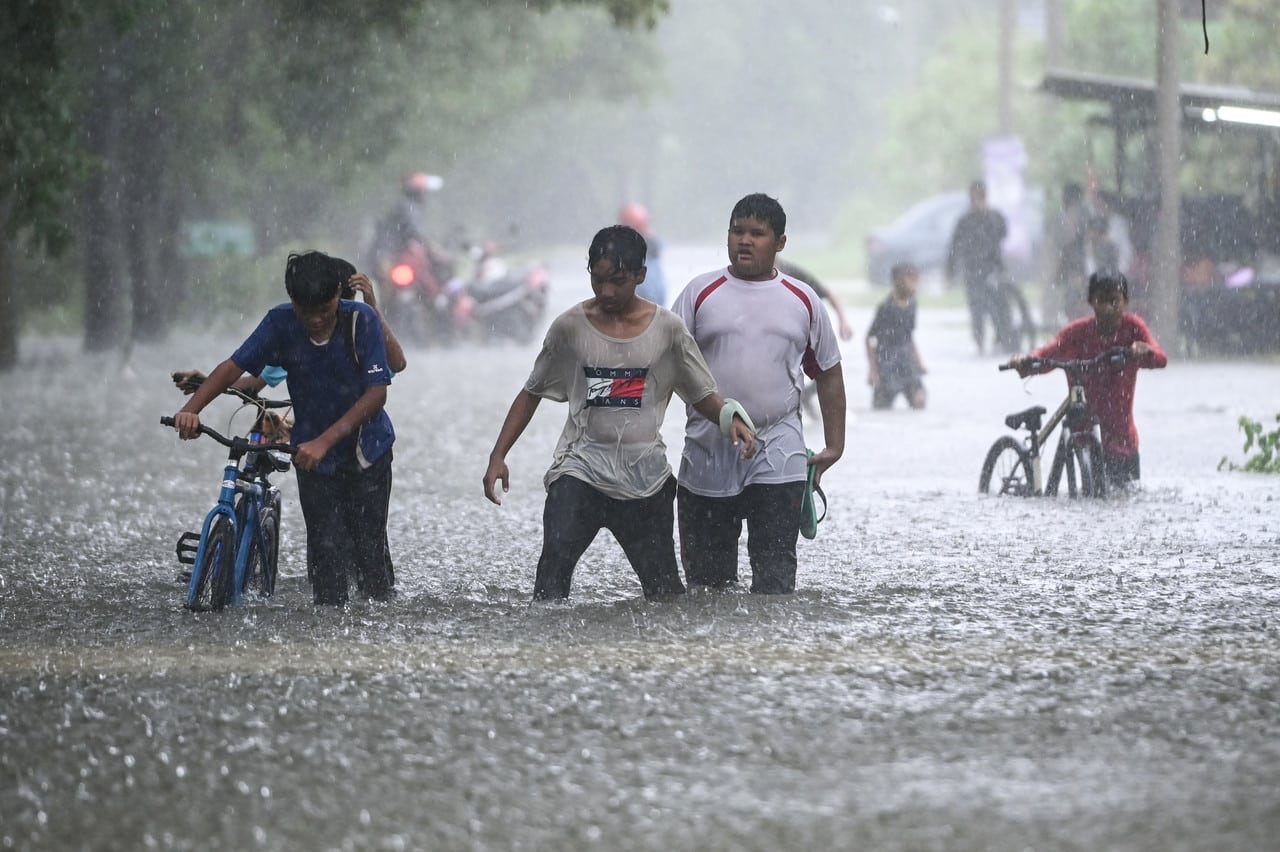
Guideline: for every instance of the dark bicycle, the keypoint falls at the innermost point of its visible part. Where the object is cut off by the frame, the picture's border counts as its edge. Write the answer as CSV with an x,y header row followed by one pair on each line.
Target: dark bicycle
x,y
1012,466
1011,317
238,547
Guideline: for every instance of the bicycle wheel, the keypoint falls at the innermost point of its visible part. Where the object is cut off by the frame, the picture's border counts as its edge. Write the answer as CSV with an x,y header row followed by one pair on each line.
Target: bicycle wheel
x,y
1086,452
1007,470
1063,469
264,553
211,578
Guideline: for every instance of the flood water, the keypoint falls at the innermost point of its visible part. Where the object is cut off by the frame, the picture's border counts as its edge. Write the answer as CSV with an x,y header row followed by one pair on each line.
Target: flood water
x,y
955,672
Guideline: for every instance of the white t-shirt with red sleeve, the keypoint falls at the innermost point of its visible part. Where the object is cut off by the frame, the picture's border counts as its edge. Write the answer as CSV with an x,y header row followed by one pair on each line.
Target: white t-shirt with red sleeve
x,y
760,339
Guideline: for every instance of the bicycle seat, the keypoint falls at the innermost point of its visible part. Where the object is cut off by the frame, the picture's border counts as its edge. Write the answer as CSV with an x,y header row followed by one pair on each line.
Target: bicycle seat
x,y
1029,418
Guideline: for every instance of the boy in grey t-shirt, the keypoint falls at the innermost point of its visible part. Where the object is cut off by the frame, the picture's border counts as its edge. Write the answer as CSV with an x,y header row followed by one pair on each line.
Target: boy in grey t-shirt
x,y
616,359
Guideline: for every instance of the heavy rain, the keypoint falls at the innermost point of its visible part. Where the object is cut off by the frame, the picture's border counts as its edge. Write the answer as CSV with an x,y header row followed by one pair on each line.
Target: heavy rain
x,y
955,671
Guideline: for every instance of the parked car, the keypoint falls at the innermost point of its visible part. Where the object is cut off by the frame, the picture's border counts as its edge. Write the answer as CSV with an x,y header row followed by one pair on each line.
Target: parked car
x,y
922,236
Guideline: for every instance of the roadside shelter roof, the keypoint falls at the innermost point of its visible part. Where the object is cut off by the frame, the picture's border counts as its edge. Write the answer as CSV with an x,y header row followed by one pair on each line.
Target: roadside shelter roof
x,y
1133,101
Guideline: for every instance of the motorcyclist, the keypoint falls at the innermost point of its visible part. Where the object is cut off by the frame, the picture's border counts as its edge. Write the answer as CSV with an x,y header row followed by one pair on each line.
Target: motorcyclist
x,y
420,276
403,230
654,287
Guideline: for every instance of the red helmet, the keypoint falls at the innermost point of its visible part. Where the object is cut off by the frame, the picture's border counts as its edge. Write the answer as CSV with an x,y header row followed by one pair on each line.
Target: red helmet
x,y
634,215
420,183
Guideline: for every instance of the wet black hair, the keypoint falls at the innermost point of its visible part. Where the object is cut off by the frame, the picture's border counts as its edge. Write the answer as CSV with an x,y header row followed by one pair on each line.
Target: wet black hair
x,y
901,271
1102,281
762,207
622,244
309,278
343,269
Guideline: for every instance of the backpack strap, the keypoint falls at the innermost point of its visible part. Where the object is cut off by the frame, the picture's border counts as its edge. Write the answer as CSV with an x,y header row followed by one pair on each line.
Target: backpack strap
x,y
347,323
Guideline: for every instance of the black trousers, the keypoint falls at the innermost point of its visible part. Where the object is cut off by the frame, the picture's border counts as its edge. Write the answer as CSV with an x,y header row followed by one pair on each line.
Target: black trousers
x,y
575,511
1121,470
346,517
710,527
986,302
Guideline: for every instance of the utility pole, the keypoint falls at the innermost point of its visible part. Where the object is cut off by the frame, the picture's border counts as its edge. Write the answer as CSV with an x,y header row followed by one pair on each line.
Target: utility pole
x,y
1004,97
1166,255
1053,33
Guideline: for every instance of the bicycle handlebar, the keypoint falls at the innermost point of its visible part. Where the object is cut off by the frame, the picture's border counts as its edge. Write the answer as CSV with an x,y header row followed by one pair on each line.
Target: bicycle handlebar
x,y
1114,355
196,381
236,442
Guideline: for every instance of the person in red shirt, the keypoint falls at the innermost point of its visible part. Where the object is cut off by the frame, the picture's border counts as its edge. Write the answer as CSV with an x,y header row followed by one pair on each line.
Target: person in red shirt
x,y
1108,388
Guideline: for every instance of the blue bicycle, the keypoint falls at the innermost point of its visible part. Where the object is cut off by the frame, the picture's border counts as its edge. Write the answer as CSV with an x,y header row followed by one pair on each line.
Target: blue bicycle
x,y
238,547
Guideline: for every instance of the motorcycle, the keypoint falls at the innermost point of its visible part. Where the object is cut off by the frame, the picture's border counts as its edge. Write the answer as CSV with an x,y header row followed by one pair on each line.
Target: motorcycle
x,y
424,304
504,303
430,304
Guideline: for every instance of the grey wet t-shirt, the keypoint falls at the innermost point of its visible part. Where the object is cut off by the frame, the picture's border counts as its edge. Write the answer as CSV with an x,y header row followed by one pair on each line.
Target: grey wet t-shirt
x,y
617,391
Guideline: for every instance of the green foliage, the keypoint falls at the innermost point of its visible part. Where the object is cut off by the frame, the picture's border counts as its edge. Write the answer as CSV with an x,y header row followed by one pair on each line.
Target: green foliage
x,y
40,158
1264,445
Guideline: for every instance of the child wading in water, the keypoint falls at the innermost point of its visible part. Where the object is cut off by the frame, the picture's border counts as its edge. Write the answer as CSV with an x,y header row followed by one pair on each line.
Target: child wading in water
x,y
1108,388
893,361
616,359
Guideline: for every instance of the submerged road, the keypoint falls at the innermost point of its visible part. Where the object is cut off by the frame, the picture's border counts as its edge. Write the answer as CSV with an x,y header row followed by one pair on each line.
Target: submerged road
x,y
957,672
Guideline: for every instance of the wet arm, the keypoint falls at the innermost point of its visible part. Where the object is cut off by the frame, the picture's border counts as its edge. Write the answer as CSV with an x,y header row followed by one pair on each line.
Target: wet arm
x,y
742,436
518,417
188,380
395,352
370,403
831,402
1148,351
187,420
846,329
915,352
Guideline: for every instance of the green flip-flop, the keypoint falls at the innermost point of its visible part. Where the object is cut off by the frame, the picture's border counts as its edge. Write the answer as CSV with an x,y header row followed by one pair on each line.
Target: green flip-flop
x,y
809,517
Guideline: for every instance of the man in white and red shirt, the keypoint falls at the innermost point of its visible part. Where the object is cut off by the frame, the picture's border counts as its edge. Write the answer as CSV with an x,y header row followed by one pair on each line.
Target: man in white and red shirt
x,y
761,333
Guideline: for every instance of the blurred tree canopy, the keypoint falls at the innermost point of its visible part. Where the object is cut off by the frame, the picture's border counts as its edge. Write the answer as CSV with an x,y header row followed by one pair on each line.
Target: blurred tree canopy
x,y
937,127
122,121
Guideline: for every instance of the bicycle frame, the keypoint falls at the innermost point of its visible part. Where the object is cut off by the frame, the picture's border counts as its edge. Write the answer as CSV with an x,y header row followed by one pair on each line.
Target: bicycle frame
x,y
243,500
254,489
1072,405
1079,446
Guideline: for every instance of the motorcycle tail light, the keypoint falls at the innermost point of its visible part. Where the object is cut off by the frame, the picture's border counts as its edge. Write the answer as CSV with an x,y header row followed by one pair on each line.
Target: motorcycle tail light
x,y
402,275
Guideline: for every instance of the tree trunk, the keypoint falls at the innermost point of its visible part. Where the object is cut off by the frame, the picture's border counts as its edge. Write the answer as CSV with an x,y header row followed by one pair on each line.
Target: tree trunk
x,y
9,306
1166,257
147,229
106,282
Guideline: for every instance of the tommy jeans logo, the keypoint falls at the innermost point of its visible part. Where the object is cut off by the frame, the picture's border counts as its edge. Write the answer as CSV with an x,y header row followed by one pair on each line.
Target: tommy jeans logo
x,y
615,387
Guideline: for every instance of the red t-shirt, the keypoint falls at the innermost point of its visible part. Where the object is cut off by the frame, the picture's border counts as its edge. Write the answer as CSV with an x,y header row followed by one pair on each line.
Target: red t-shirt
x,y
1108,388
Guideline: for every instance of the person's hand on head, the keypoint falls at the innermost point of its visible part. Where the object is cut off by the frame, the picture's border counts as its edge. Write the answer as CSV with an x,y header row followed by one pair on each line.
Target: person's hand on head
x,y
364,287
